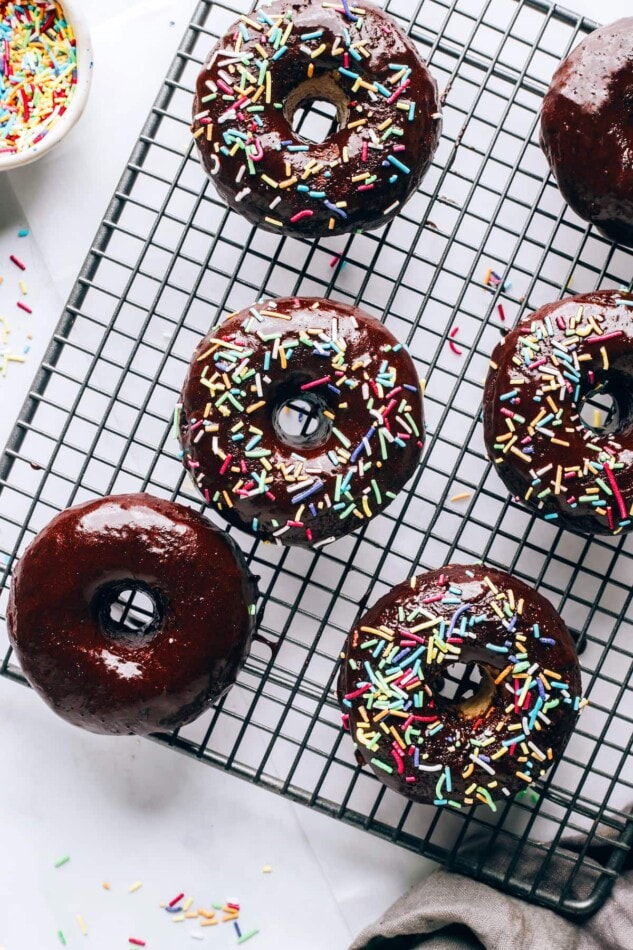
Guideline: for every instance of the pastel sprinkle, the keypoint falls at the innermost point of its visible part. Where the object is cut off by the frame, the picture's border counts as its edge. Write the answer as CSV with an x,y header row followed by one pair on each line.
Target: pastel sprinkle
x,y
62,861
38,73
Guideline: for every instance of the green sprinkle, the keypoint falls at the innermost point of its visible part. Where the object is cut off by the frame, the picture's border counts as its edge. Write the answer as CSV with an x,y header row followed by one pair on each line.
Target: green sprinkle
x,y
382,765
61,938
247,936
62,861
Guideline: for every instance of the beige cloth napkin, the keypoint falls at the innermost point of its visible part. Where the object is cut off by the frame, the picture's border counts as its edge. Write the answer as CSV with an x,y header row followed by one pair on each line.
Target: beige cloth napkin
x,y
447,911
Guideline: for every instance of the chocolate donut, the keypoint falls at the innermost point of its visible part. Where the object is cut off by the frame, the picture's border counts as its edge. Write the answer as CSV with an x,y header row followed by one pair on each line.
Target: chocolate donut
x,y
116,677
460,751
300,419
587,130
288,54
577,476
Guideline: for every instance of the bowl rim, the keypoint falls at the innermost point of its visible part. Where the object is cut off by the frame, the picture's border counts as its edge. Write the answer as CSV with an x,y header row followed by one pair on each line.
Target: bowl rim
x,y
76,16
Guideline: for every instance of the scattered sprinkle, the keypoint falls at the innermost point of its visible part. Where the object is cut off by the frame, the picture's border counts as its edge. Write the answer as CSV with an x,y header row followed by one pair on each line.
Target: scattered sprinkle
x,y
62,861
451,342
462,496
135,887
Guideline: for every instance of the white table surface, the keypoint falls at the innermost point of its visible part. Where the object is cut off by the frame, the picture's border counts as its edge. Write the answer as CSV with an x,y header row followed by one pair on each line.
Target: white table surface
x,y
126,810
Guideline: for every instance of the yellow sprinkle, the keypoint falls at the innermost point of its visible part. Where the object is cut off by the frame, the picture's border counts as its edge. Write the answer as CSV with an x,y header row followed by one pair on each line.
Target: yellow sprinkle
x,y
178,919
274,221
267,868
135,887
200,132
269,181
82,925
23,287
605,357
187,903
317,52
522,455
255,406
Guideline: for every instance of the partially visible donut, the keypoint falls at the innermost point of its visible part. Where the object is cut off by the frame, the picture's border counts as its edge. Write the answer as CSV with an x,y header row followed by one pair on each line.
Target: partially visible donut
x,y
575,475
587,130
460,752
93,670
364,423
290,53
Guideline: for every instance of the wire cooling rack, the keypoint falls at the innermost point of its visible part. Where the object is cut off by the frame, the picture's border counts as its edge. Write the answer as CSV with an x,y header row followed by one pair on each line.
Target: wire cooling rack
x,y
169,258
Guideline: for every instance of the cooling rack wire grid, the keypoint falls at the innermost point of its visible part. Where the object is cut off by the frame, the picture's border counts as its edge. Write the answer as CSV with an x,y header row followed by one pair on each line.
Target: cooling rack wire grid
x,y
169,258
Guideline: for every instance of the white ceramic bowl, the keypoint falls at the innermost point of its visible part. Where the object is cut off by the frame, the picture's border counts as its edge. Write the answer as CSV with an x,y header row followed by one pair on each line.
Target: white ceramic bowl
x,y
76,17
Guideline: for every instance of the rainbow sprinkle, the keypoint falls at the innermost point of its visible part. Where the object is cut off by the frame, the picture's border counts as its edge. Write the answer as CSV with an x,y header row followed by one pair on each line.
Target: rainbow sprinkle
x,y
477,750
38,71
565,465
385,117
368,404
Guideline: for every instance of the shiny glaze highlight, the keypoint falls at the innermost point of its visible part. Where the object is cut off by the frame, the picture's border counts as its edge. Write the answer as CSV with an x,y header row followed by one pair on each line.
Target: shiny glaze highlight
x,y
587,130
156,682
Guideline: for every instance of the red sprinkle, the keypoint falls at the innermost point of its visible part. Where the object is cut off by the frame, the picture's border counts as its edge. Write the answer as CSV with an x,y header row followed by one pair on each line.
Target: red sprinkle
x,y
306,213
137,943
24,306
501,312
175,900
18,263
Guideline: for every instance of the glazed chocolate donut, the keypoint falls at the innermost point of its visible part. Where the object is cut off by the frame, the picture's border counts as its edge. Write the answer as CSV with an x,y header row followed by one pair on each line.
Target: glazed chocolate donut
x,y
460,752
300,419
293,53
113,677
541,374
587,130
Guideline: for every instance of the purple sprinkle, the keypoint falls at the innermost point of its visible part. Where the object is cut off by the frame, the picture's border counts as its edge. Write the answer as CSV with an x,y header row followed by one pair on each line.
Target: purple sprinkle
x,y
348,12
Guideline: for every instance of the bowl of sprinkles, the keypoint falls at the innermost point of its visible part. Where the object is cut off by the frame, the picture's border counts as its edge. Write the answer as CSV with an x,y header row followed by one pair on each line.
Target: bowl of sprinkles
x,y
45,75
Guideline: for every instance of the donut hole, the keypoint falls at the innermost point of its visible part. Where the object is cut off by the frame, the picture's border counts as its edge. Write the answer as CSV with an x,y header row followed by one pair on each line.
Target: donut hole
x,y
129,611
599,411
302,419
466,686
317,109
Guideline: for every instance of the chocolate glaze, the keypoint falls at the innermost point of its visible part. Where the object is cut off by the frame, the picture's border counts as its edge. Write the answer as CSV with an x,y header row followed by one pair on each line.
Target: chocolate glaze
x,y
479,607
245,190
199,638
345,349
587,130
524,384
